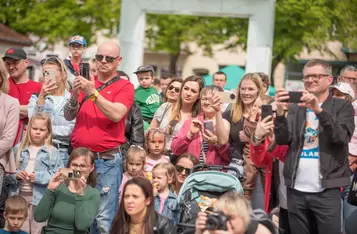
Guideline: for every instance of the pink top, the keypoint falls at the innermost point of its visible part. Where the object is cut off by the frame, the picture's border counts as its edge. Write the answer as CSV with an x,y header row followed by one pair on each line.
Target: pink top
x,y
162,202
216,155
9,122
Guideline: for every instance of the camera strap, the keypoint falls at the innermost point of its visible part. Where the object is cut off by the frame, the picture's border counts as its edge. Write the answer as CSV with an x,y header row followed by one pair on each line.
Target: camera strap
x,y
99,89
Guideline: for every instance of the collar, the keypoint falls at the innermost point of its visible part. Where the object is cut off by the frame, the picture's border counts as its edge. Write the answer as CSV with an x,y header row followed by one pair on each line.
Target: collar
x,y
43,148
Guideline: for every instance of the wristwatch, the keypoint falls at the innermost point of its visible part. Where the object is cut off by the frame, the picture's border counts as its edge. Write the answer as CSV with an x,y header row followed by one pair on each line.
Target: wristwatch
x,y
94,96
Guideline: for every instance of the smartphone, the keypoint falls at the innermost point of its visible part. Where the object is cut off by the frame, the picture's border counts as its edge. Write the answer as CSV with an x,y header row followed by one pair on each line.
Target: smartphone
x,y
227,97
84,70
50,74
294,97
70,174
266,111
208,125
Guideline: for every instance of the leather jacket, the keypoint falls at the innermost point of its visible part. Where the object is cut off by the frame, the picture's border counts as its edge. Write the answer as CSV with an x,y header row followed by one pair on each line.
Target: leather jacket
x,y
163,225
134,128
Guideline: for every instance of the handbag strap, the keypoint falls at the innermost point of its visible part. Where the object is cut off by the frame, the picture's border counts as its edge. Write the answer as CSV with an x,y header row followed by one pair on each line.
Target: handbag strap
x,y
100,88
202,150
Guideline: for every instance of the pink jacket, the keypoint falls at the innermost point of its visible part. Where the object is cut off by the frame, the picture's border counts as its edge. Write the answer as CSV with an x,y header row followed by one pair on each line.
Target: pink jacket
x,y
9,121
216,155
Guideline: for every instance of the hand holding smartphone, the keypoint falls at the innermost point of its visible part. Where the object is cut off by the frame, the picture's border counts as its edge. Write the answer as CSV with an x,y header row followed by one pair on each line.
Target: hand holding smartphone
x,y
267,110
294,97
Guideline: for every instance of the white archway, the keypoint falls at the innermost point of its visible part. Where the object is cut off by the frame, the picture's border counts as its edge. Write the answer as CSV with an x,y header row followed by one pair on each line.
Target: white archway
x,y
261,15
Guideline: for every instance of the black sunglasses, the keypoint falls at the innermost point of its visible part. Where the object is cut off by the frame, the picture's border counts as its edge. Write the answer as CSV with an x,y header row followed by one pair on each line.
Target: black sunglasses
x,y
109,59
171,87
180,169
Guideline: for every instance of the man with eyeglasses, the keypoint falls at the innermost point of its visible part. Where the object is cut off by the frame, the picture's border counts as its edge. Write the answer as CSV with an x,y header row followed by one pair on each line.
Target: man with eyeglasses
x,y
100,107
348,75
20,85
317,131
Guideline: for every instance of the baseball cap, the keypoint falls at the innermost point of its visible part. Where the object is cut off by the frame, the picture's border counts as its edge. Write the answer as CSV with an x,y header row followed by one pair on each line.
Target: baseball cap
x,y
344,88
78,39
145,69
15,53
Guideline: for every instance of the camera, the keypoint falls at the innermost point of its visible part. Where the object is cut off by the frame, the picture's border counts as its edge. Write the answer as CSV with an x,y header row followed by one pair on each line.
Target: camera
x,y
70,174
216,221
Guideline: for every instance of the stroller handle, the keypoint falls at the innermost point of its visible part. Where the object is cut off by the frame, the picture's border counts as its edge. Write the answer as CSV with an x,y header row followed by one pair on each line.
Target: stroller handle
x,y
201,167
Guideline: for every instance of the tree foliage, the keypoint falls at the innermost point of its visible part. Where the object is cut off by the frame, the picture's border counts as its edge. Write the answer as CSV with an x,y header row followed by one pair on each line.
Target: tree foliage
x,y
53,20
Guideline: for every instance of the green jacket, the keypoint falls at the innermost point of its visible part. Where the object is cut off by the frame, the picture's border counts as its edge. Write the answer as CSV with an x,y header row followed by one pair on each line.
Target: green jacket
x,y
148,100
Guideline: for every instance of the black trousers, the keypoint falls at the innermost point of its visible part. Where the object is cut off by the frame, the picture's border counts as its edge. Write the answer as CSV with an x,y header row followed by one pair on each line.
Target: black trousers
x,y
284,226
323,208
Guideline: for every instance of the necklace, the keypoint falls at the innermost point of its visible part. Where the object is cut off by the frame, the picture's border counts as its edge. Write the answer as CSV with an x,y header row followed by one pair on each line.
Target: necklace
x,y
133,229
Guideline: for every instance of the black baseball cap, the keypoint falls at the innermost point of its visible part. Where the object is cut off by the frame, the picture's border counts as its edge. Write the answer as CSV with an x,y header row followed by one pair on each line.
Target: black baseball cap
x,y
145,69
15,53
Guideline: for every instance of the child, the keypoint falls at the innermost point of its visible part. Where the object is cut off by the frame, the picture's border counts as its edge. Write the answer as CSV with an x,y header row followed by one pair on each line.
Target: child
x,y
133,165
15,215
165,200
155,144
146,96
343,90
36,161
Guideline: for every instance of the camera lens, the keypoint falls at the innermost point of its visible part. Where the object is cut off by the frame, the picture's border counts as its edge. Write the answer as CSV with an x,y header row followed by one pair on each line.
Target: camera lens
x,y
232,96
70,174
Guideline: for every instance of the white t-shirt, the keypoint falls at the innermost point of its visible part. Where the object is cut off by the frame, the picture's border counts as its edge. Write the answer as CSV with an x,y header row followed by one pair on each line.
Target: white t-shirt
x,y
308,173
26,186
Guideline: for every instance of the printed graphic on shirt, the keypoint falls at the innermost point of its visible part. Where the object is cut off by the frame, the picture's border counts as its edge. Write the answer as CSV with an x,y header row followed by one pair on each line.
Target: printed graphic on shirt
x,y
153,98
311,144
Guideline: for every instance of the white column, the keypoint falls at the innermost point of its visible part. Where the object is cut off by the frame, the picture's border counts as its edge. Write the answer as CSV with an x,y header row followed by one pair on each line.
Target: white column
x,y
131,37
260,37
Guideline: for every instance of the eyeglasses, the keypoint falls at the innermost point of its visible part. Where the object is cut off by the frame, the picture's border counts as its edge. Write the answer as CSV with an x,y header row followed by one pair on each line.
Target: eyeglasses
x,y
204,100
180,169
314,77
77,46
108,59
171,87
75,166
349,79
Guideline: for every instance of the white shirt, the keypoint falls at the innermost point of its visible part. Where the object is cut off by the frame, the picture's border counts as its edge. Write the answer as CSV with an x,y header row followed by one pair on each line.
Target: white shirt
x,y
308,174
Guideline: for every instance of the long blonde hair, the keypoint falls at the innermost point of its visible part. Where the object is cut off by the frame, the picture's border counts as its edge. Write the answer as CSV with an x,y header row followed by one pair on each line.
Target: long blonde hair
x,y
27,141
4,84
238,107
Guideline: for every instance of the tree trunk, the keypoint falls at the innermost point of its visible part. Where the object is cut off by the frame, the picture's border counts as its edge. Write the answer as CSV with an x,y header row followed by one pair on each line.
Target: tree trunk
x,y
173,61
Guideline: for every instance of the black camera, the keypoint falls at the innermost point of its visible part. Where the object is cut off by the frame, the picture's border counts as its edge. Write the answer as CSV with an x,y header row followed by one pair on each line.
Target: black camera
x,y
216,221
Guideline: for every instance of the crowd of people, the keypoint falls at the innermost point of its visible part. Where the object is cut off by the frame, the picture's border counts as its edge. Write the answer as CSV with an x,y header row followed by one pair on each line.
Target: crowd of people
x,y
96,155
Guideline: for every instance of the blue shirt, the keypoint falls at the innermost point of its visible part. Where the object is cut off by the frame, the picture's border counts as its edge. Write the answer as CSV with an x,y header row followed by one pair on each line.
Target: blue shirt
x,y
2,231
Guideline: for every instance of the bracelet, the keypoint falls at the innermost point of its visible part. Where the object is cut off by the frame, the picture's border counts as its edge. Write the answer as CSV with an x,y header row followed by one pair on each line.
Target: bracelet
x,y
257,138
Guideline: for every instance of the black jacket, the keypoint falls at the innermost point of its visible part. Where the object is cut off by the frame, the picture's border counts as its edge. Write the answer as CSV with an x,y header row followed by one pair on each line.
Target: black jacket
x,y
163,225
336,126
134,128
69,65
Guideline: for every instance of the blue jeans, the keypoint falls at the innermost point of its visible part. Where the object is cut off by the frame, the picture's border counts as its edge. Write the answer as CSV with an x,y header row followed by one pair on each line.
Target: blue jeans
x,y
110,174
64,156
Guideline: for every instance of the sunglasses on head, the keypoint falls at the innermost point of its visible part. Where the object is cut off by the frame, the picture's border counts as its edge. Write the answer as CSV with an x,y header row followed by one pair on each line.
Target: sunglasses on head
x,y
180,169
108,59
171,87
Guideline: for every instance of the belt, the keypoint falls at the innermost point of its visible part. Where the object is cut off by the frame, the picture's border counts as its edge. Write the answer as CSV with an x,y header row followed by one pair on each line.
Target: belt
x,y
108,154
60,146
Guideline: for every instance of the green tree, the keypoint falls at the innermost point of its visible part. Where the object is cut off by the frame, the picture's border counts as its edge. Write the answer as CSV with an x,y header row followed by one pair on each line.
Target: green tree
x,y
299,24
52,20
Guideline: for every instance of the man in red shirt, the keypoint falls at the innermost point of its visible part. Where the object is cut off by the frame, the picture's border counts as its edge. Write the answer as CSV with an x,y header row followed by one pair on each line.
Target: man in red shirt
x,y
100,125
20,86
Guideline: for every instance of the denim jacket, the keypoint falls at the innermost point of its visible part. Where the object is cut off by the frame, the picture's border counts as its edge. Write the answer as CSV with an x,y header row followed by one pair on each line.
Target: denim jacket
x,y
47,163
61,127
171,206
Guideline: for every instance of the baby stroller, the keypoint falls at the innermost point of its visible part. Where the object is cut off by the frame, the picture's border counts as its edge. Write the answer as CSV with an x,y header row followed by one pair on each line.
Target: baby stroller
x,y
200,191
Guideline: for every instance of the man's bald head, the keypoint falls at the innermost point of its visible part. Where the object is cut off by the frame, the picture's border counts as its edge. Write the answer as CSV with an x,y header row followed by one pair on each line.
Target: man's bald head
x,y
109,46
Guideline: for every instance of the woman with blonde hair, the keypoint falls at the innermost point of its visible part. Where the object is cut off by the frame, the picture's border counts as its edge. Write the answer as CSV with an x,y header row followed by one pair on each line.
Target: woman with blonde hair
x,y
242,117
9,120
52,99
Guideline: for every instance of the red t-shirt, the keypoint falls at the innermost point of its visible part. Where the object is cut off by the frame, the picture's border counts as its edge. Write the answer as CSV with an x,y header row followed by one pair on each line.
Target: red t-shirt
x,y
23,91
95,131
75,66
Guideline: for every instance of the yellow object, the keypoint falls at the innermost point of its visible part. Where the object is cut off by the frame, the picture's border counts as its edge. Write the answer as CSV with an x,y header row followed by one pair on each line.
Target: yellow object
x,y
94,96
148,175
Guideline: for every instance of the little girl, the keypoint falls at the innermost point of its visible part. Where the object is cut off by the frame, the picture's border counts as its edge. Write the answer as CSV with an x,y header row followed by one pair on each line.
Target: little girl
x,y
165,200
155,144
36,162
133,165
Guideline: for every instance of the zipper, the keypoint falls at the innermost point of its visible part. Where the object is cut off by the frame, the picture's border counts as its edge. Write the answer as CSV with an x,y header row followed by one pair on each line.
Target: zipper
x,y
297,158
